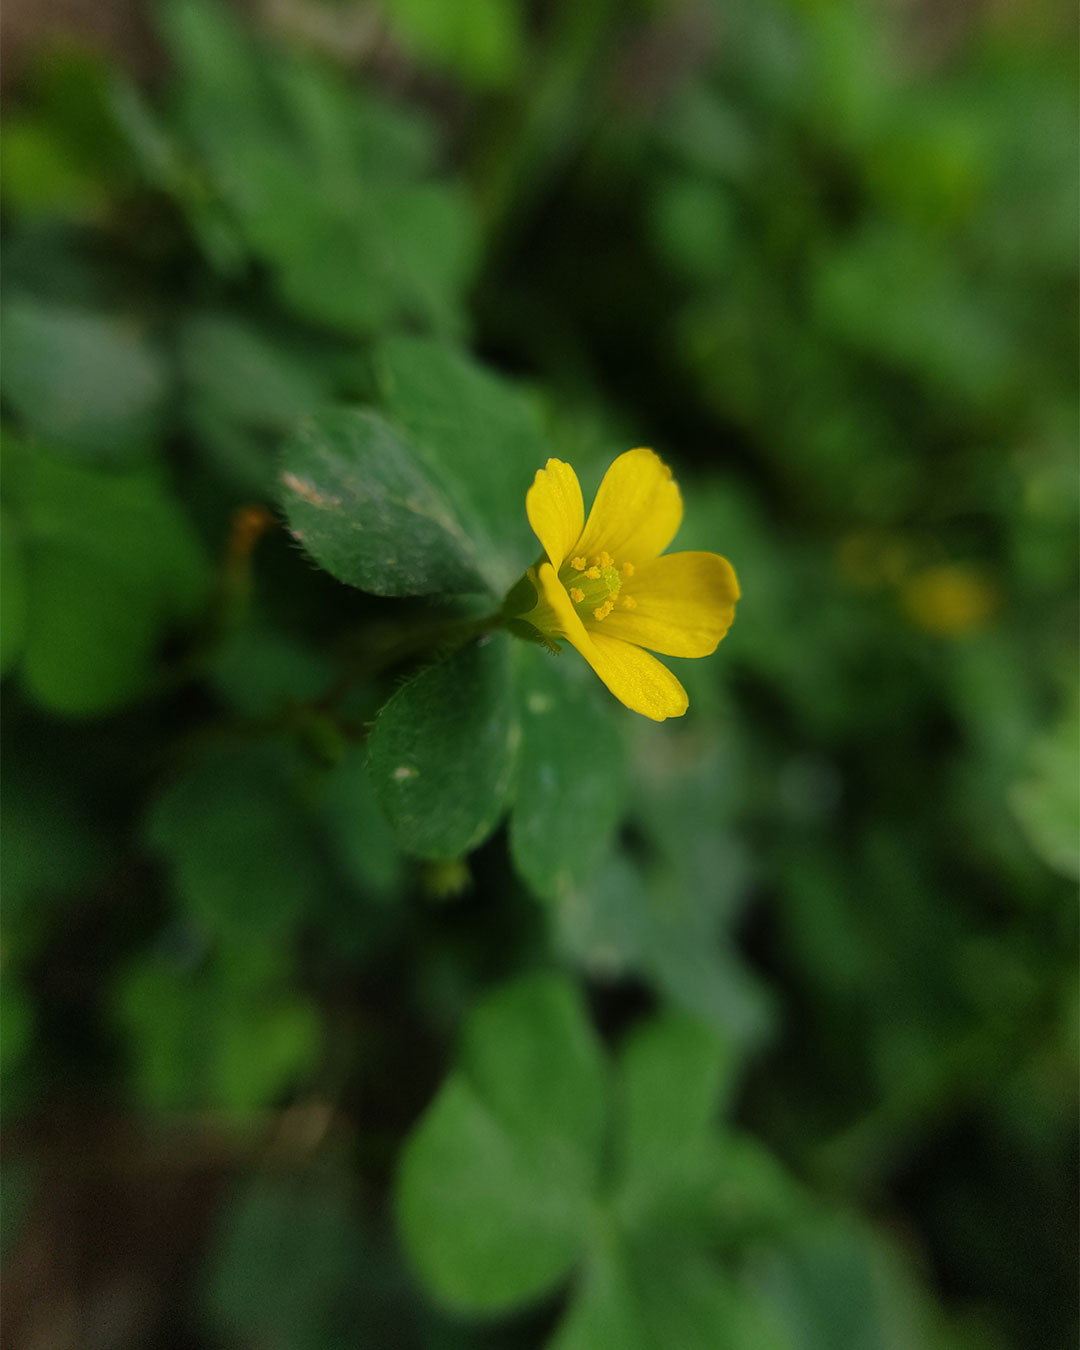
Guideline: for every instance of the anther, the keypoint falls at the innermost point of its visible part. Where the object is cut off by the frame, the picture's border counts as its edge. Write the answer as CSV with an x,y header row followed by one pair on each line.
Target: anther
x,y
593,573
578,564
602,611
628,602
628,570
577,594
605,559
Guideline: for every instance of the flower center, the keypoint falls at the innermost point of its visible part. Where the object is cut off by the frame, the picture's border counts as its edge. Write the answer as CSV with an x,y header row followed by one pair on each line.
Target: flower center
x,y
595,585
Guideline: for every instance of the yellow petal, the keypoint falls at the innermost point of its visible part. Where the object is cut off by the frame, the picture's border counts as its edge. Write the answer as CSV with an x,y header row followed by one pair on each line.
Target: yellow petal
x,y
555,509
636,678
636,512
633,676
683,604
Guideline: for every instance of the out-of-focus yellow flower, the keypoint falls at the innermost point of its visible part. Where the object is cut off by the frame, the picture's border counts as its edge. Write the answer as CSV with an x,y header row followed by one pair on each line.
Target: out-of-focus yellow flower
x,y
950,600
606,589
446,880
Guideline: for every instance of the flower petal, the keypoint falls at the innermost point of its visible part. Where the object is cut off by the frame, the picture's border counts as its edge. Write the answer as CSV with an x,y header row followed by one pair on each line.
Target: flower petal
x,y
683,604
637,678
633,676
636,512
555,510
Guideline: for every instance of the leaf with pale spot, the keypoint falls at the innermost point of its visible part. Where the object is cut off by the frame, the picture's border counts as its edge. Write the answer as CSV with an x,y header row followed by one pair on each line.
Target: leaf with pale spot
x,y
363,504
442,751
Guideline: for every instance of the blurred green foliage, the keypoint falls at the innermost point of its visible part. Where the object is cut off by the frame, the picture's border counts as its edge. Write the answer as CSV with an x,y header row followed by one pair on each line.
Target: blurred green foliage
x,y
520,1021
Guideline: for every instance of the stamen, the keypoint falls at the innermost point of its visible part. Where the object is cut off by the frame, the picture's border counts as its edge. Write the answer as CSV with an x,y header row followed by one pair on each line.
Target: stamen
x,y
599,584
628,602
628,570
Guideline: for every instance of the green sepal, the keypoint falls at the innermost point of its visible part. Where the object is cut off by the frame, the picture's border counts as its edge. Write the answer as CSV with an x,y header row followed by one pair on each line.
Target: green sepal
x,y
524,630
521,598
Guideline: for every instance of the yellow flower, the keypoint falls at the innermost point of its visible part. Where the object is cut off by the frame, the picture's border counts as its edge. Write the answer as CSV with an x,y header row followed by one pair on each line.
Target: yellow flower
x,y
606,589
950,600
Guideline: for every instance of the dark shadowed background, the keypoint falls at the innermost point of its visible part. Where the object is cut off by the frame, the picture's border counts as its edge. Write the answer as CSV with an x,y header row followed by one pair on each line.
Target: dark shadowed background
x,y
808,955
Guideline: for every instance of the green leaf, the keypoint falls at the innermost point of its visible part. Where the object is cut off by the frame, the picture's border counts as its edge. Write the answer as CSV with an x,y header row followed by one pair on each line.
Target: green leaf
x,y
495,1183
747,1197
92,631
242,375
838,1287
326,188
1047,801
480,41
603,1310
40,175
653,1295
479,437
672,1071
109,565
698,968
159,155
498,1190
361,501
401,251
443,750
570,782
888,291
244,857
85,381
530,1044
70,85
668,917
687,1300
694,223
486,1229
225,1035
650,924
